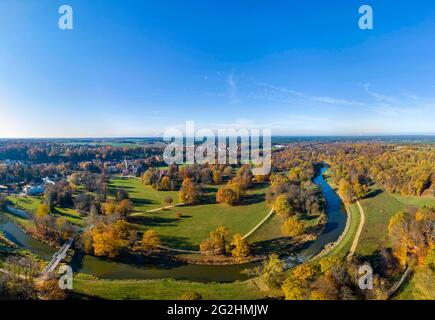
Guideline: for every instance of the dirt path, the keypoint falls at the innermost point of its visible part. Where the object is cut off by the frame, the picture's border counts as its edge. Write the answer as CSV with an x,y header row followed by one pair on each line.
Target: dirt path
x,y
396,287
157,209
358,233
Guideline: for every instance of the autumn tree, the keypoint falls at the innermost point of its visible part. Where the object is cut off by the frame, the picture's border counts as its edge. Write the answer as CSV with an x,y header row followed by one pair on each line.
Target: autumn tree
x,y
124,207
150,240
226,195
411,234
165,184
216,243
295,286
345,191
294,289
42,211
108,208
237,188
292,227
217,177
109,239
189,192
241,247
271,271
282,206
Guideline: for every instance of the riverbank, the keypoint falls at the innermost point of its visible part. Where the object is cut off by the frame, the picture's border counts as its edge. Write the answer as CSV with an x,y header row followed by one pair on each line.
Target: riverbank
x,y
166,289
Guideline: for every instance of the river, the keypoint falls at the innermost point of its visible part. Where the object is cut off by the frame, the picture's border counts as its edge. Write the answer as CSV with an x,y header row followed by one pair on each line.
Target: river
x,y
140,267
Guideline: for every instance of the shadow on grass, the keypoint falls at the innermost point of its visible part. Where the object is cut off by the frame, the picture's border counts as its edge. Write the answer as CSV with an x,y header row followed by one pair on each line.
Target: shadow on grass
x,y
154,221
252,199
141,201
373,194
277,245
178,243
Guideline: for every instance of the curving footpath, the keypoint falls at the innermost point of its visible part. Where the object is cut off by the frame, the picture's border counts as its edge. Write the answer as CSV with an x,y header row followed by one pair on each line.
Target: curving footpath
x,y
358,233
259,225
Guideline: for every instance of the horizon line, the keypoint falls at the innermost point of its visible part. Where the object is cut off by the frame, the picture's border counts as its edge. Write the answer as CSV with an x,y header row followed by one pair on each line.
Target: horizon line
x,y
273,136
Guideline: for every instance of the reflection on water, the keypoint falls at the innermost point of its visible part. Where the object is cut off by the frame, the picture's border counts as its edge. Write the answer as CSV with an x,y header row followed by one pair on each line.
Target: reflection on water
x,y
336,218
140,267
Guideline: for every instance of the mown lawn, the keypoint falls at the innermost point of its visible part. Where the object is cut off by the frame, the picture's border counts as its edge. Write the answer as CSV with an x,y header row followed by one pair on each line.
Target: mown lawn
x,y
165,289
144,197
29,204
196,221
378,210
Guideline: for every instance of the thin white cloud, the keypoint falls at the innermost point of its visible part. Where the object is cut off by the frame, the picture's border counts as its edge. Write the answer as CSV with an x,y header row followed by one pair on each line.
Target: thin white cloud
x,y
232,89
381,98
321,99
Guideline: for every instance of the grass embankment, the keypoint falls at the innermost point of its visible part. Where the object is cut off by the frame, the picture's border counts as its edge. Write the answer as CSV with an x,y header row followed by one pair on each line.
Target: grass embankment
x,y
343,248
164,289
30,204
196,221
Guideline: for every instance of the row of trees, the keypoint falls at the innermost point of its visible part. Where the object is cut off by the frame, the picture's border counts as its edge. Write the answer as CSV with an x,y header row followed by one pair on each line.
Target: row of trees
x,y
218,243
43,152
405,169
236,188
172,177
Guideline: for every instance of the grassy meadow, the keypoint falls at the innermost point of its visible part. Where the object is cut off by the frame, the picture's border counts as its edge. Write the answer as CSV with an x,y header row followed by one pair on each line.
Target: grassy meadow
x,y
196,221
166,289
378,209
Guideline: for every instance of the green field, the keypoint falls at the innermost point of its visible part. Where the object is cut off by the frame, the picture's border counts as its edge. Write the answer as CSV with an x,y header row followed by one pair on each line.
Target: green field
x,y
166,289
421,286
378,210
30,204
197,221
144,197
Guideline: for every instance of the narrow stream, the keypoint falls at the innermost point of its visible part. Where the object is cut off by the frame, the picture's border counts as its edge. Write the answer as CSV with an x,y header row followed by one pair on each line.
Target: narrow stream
x,y
140,267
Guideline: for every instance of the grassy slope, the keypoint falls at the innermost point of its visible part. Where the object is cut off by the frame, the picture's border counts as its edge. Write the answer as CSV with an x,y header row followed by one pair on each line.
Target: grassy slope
x,y
30,204
344,246
421,286
164,289
198,220
378,211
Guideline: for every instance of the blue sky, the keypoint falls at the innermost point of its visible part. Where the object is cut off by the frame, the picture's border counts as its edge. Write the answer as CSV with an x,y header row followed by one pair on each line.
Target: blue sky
x,y
135,68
